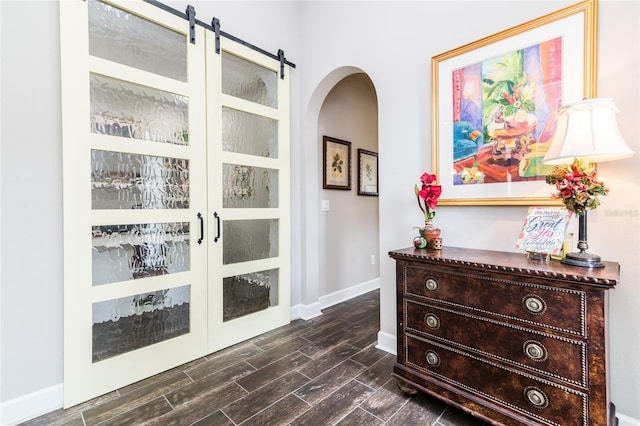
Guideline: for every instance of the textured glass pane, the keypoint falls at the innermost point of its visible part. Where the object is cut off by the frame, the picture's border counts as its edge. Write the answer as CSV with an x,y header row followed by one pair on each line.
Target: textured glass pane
x,y
248,133
245,240
249,187
128,110
128,252
121,37
249,293
121,180
129,323
249,81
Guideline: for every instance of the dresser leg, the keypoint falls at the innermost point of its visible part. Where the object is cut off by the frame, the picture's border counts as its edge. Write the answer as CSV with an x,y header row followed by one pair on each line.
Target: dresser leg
x,y
613,420
407,388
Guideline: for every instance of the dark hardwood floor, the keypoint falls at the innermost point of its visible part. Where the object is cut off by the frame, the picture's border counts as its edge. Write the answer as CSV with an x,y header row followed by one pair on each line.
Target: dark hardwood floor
x,y
325,371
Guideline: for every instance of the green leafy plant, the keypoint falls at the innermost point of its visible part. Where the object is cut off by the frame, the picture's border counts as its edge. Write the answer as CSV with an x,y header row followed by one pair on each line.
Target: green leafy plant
x,y
368,171
508,87
337,163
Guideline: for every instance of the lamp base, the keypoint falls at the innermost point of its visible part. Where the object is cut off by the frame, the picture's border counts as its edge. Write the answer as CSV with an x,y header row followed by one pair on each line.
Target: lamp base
x,y
586,260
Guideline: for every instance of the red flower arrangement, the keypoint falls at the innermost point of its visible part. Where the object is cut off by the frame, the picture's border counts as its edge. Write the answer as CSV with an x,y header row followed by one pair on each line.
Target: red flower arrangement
x,y
578,188
427,195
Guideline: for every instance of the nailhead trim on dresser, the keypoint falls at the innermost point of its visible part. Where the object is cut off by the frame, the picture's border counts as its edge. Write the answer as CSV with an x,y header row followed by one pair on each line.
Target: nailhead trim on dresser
x,y
509,340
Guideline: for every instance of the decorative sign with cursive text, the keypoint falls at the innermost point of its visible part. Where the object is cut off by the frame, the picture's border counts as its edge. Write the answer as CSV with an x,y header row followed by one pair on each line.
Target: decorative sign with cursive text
x,y
544,229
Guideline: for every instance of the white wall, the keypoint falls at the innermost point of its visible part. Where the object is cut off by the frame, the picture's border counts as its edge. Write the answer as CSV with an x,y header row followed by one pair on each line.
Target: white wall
x,y
392,42
31,226
348,232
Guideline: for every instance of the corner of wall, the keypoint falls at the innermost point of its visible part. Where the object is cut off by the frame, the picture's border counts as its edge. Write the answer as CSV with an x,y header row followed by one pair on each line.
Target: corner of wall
x,y
30,406
626,420
305,312
387,342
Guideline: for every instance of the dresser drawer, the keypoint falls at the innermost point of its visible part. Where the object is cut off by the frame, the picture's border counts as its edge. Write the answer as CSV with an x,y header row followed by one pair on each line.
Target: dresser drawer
x,y
541,353
502,295
540,400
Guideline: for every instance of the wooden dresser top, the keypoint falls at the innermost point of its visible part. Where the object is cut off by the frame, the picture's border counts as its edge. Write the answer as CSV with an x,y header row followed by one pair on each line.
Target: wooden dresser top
x,y
512,262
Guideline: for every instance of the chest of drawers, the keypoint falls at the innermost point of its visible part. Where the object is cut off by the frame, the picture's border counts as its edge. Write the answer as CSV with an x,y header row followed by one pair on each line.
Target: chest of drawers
x,y
509,340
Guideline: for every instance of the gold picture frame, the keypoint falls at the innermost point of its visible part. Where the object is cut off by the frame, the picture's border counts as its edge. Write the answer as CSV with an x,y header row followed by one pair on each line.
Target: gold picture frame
x,y
494,105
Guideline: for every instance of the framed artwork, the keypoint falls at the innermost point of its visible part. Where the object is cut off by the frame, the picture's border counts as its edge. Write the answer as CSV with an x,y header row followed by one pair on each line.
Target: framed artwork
x,y
495,103
367,172
336,158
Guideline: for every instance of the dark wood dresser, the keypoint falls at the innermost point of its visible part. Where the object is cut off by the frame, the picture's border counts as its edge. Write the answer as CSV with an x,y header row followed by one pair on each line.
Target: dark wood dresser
x,y
507,339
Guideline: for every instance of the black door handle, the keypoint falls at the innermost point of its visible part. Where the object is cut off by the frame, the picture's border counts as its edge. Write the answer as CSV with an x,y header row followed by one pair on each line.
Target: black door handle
x,y
215,214
201,228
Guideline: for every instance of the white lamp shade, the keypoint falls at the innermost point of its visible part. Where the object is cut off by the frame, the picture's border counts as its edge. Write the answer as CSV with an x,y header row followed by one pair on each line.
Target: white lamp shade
x,y
587,130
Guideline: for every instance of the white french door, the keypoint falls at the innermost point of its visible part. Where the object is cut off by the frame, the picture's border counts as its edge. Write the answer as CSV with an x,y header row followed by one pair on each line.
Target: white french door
x,y
248,157
148,282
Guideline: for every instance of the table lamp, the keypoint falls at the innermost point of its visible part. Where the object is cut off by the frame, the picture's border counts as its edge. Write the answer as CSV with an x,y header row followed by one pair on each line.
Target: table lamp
x,y
586,130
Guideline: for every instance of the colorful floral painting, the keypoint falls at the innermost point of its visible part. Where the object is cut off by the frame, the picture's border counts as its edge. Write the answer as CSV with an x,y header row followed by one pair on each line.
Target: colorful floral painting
x,y
504,115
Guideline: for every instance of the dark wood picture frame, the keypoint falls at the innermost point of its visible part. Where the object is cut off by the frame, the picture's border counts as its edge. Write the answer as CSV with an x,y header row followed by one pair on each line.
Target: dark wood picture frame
x,y
336,163
367,172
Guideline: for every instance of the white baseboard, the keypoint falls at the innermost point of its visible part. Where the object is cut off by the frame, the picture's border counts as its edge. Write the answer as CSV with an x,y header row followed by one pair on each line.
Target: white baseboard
x,y
313,310
387,342
30,406
305,312
295,314
348,293
626,420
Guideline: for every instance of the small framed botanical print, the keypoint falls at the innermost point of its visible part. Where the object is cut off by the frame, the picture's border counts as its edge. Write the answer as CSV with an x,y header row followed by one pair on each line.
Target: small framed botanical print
x,y
367,172
336,157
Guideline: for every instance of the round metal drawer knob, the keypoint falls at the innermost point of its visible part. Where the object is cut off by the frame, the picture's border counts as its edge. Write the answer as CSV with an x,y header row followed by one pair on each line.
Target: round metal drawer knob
x,y
431,284
432,358
536,397
432,321
534,304
535,351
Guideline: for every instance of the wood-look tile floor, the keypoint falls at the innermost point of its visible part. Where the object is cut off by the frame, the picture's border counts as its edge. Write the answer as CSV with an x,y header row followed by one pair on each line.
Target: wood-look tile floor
x,y
325,371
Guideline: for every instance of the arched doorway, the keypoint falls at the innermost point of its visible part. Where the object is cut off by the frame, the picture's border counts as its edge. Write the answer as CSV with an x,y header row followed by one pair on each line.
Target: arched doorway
x,y
341,228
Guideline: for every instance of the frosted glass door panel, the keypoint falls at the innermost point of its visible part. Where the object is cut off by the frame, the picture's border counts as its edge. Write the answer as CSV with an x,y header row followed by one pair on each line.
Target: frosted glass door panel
x,y
249,187
128,323
134,129
122,37
128,252
246,240
248,293
129,110
249,81
121,180
248,133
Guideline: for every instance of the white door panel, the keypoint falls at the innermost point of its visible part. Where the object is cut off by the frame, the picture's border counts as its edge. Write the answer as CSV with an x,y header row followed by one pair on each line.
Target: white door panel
x,y
249,182
135,276
159,151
